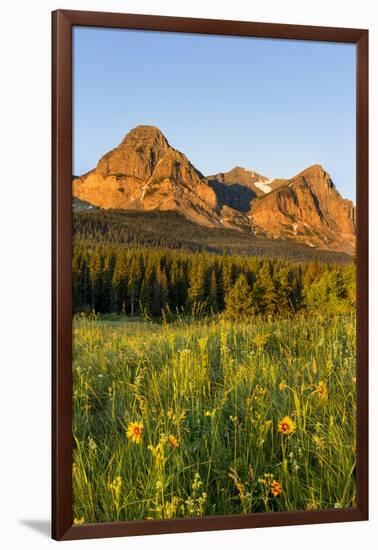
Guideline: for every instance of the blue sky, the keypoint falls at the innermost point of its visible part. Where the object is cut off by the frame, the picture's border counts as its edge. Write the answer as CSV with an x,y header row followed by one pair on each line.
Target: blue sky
x,y
273,106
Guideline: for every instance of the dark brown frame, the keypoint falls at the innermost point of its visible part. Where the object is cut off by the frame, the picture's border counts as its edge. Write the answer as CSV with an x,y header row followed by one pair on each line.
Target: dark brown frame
x,y
62,23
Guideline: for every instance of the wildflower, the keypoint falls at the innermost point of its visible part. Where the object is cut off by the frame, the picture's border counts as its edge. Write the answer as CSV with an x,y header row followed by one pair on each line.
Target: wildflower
x,y
210,413
276,488
78,521
134,431
158,450
286,426
169,508
233,419
354,379
194,505
282,386
173,441
266,479
321,389
115,486
197,483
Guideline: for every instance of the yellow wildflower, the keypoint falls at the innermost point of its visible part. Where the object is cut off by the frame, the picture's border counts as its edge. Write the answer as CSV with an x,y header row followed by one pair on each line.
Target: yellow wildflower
x,y
321,389
266,479
115,485
286,426
78,521
134,431
158,450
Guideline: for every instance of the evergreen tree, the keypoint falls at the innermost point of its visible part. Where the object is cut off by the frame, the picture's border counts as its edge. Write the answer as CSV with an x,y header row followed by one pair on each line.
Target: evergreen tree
x,y
196,291
120,282
227,282
265,295
284,291
164,290
96,275
145,297
213,293
134,283
239,302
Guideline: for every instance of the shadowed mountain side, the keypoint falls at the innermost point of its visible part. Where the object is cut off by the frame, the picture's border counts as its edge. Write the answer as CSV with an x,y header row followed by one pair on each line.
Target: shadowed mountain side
x,y
235,195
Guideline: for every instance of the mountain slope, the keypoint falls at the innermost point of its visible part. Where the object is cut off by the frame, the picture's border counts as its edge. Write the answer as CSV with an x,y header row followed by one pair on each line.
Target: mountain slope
x,y
145,173
307,209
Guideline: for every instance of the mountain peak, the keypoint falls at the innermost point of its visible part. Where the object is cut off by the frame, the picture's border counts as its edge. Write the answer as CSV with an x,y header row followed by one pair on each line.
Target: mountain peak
x,y
144,134
145,173
316,176
317,169
237,169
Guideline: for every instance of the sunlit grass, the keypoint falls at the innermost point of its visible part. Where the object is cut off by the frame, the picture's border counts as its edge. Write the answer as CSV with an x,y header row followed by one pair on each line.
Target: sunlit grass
x,y
212,417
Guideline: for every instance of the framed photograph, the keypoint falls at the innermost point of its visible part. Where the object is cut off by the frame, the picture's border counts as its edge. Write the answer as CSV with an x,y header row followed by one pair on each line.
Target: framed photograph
x,y
210,266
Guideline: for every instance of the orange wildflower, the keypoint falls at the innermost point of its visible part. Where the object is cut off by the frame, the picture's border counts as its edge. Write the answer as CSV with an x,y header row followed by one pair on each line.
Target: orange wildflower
x,y
173,441
276,488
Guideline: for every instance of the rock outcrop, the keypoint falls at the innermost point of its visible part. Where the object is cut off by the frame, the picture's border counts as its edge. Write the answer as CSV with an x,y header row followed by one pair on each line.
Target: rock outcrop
x,y
307,209
145,173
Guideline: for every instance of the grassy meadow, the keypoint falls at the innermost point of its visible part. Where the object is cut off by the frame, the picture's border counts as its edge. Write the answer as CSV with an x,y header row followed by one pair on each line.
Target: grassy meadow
x,y
212,416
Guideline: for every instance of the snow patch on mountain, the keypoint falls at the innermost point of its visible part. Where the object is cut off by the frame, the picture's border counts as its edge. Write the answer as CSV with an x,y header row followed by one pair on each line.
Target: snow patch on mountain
x,y
263,185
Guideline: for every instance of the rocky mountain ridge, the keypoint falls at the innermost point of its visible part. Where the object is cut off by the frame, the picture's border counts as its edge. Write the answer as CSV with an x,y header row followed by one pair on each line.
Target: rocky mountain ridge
x,y
145,173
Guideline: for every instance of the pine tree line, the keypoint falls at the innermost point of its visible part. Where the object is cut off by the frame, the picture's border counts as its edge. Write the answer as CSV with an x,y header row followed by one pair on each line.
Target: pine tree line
x,y
154,282
170,230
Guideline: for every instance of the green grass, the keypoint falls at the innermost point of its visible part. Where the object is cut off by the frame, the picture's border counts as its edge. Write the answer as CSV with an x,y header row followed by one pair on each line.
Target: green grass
x,y
220,389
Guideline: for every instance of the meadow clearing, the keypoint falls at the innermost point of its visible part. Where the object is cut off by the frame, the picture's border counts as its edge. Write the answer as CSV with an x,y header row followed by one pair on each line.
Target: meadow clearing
x,y
212,416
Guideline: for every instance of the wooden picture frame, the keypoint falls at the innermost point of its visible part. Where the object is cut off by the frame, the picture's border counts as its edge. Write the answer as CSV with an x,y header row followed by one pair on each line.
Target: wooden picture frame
x,y
62,24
